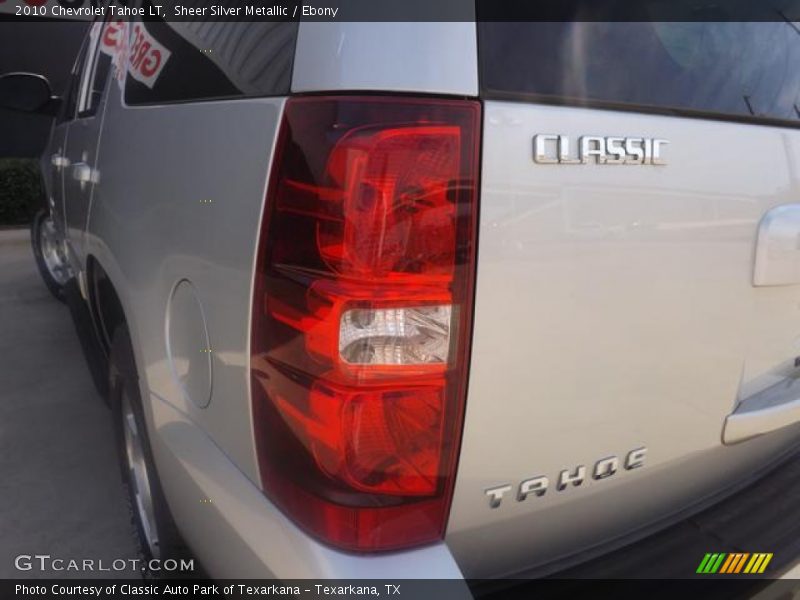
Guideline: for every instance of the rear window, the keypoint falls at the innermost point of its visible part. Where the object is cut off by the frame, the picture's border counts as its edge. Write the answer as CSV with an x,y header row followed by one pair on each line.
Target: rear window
x,y
194,60
737,69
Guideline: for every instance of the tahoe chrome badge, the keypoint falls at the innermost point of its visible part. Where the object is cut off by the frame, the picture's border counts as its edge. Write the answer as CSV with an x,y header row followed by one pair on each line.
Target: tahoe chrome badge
x,y
552,149
538,486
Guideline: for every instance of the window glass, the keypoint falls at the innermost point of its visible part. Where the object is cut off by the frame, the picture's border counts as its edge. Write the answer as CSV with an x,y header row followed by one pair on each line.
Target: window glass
x,y
186,61
732,68
70,104
95,72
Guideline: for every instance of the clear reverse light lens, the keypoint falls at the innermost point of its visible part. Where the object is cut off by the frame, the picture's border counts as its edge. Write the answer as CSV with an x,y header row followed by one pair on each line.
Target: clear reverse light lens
x,y
396,336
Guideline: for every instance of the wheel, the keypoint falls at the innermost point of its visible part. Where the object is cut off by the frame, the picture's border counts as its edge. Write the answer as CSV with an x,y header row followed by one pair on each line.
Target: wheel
x,y
156,532
49,254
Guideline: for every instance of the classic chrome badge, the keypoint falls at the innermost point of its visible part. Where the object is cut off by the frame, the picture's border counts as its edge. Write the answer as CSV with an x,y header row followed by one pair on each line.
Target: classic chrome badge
x,y
538,486
552,149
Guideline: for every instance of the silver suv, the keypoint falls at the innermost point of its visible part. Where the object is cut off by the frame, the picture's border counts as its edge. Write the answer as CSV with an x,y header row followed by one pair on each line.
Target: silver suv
x,y
431,299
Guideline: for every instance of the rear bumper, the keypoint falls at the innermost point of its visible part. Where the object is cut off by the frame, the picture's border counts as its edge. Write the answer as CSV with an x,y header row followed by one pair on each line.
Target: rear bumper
x,y
237,533
762,517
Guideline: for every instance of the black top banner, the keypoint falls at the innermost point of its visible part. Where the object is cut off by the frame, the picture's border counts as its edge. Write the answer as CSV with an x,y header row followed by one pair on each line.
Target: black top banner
x,y
407,10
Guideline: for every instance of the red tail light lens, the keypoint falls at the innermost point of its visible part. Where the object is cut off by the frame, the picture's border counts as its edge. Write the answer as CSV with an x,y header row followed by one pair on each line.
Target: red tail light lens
x,y
361,315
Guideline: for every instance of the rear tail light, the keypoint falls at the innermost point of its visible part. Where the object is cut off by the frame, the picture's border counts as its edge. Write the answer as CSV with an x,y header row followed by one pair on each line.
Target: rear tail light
x,y
361,315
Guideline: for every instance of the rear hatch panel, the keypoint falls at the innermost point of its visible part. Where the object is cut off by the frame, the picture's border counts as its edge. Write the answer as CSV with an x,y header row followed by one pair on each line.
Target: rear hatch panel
x,y
614,311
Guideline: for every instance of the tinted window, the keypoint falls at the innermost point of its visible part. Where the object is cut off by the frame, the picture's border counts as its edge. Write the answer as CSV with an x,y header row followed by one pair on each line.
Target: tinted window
x,y
184,61
94,81
750,69
70,104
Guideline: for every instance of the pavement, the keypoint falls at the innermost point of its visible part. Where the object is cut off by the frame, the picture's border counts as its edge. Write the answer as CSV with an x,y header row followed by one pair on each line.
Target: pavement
x,y
60,492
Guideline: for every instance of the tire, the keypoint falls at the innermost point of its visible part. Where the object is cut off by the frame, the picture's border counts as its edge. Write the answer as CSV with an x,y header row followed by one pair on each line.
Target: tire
x,y
156,533
50,259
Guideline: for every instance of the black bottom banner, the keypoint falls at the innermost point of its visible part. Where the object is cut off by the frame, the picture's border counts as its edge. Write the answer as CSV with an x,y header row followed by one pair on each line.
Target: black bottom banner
x,y
407,589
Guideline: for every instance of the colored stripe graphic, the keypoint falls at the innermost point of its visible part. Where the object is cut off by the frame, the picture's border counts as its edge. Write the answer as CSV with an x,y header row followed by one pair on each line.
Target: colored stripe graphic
x,y
741,562
758,563
703,563
729,562
711,562
765,563
753,562
718,563
736,562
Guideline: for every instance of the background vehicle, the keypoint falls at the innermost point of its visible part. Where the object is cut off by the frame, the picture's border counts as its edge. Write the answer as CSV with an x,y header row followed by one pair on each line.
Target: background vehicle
x,y
318,371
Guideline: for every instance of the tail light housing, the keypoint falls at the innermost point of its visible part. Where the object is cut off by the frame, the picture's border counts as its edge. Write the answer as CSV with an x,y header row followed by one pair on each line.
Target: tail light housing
x,y
361,315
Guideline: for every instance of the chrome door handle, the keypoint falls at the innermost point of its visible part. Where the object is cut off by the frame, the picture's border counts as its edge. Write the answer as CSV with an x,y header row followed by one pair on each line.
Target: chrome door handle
x,y
59,162
777,260
84,173
741,426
